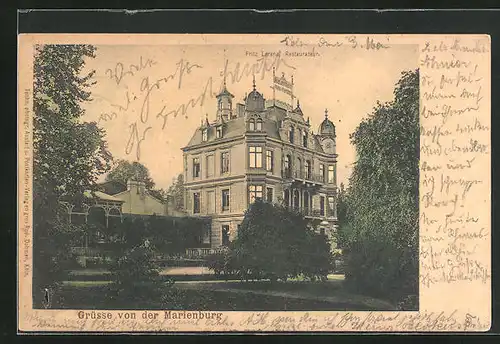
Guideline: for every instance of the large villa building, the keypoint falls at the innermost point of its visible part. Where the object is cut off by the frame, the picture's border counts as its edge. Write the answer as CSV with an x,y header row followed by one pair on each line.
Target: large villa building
x,y
259,149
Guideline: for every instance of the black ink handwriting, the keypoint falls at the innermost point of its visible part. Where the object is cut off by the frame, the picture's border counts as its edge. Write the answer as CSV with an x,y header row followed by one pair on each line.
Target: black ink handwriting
x,y
183,67
135,140
119,71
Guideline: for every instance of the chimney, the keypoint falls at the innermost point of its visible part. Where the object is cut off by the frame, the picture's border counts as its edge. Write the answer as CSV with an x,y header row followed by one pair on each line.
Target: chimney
x,y
136,186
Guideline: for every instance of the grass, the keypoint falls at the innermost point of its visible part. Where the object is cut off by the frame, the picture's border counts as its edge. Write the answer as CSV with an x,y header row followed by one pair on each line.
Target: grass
x,y
90,272
226,296
85,284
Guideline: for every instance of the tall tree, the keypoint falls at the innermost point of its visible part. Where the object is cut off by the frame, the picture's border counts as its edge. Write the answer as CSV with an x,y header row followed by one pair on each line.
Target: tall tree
x,y
176,192
69,154
379,211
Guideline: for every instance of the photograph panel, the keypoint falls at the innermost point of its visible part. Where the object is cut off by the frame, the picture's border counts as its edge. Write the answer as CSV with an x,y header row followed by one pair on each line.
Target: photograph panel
x,y
223,182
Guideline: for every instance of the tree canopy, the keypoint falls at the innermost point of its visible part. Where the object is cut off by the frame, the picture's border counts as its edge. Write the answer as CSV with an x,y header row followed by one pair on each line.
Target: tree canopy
x,y
378,212
69,154
124,170
176,192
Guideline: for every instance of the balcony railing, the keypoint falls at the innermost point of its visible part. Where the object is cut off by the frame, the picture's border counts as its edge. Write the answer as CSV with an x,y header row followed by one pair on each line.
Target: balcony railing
x,y
200,252
308,212
289,174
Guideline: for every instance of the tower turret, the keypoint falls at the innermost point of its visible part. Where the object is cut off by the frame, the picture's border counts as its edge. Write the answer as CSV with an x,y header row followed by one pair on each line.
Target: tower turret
x,y
327,135
224,104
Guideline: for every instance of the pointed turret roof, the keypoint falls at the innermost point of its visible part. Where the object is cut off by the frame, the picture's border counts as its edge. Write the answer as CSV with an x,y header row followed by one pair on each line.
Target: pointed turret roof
x,y
224,91
327,127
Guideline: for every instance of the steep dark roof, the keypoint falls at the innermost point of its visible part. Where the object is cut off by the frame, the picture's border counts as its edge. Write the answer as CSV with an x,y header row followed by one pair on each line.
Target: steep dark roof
x,y
233,128
327,127
225,92
111,187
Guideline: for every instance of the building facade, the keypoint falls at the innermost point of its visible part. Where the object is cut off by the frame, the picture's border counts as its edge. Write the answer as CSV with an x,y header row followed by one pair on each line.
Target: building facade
x,y
112,201
257,149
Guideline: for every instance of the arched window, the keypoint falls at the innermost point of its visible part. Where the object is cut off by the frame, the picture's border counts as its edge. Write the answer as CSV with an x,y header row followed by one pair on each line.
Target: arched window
x,y
259,125
97,216
307,169
290,134
306,202
251,124
304,138
331,174
296,200
286,198
288,166
298,168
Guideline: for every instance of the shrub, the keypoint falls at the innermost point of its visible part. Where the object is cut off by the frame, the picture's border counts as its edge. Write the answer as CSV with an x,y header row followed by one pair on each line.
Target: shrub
x,y
274,243
136,276
216,262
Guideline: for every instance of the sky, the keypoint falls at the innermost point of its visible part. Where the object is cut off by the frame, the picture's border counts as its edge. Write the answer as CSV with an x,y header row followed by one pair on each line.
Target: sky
x,y
150,99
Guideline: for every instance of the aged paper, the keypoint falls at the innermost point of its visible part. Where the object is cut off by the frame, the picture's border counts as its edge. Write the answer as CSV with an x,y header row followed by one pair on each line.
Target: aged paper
x,y
153,92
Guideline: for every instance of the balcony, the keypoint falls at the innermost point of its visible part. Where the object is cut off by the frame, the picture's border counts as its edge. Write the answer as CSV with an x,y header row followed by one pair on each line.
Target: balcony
x,y
328,214
302,176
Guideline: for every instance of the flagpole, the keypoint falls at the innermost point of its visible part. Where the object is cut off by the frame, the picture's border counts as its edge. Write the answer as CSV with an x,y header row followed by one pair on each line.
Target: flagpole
x,y
274,87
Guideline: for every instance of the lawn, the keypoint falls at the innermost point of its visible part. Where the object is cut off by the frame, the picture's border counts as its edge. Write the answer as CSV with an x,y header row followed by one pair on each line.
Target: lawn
x,y
227,296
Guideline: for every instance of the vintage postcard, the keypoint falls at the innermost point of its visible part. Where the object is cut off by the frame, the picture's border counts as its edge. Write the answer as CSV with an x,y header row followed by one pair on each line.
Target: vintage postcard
x,y
249,182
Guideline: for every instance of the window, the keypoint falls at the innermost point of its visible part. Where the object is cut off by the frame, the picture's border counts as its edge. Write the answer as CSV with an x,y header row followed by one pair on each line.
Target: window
x,y
224,165
286,198
288,166
290,134
196,203
259,125
331,206
296,200
306,202
251,125
220,104
196,167
225,235
255,192
322,172
206,235
255,157
204,135
269,195
225,199
304,138
269,161
219,132
307,169
322,205
210,165
331,175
